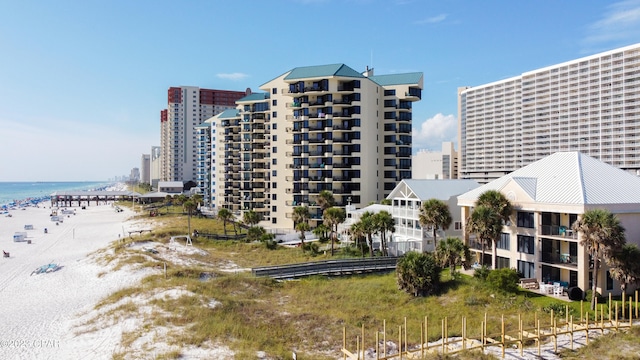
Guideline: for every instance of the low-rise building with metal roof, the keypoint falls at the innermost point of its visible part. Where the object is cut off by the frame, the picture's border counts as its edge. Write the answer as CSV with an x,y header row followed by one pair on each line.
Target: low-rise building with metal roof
x,y
548,196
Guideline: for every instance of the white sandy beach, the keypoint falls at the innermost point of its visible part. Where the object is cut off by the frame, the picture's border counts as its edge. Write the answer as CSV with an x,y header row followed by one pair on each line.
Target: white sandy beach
x,y
37,311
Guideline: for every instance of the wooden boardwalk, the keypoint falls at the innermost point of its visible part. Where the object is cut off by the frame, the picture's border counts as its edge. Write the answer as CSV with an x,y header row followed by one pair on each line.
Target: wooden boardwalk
x,y
328,267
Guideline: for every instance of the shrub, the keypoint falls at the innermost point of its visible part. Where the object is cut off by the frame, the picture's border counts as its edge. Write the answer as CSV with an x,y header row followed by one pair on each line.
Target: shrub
x,y
559,309
481,273
271,244
311,247
589,294
418,273
503,279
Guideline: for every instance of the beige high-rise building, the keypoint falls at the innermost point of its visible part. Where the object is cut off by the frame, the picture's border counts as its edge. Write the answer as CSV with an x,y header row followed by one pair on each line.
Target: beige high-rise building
x,y
436,165
316,128
188,107
590,105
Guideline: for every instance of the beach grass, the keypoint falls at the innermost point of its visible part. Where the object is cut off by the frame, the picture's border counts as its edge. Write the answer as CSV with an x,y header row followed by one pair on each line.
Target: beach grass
x,y
308,315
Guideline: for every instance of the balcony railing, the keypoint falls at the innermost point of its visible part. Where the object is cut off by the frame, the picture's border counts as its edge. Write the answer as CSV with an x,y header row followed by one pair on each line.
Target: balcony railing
x,y
555,230
555,258
477,245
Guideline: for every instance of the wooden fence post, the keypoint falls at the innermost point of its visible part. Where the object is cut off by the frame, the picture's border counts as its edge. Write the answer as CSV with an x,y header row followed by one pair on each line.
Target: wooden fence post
x,y
384,337
344,342
400,341
363,341
571,324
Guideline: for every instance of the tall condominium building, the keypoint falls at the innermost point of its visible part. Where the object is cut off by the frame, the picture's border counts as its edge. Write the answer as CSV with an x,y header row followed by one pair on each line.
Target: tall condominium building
x,y
155,166
188,106
436,165
590,105
316,128
145,169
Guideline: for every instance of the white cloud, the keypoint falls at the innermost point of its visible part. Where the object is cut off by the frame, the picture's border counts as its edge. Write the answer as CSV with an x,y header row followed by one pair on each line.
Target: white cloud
x,y
620,23
233,76
433,131
433,19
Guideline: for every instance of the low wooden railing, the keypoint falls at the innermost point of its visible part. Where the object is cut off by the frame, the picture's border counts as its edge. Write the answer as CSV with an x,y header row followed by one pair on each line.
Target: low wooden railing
x,y
328,267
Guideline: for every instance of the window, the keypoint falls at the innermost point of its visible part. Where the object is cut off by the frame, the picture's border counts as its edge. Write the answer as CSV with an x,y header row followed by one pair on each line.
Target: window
x,y
527,269
502,262
274,197
503,243
274,208
274,102
526,244
274,149
274,91
609,281
273,185
274,114
457,225
274,126
274,161
525,220
274,172
275,137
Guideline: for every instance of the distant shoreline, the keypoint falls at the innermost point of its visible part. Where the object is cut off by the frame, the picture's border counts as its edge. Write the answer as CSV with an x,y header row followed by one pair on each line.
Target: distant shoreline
x,y
24,193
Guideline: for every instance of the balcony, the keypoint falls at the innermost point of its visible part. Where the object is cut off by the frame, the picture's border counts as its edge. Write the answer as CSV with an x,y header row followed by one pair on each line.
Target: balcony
x,y
477,245
562,259
559,231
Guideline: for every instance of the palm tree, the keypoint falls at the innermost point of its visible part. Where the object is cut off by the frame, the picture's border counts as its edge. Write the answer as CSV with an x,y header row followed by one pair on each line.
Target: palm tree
x,y
180,199
418,273
602,236
325,200
385,223
197,198
452,251
486,224
255,233
435,213
303,227
496,201
224,215
251,218
332,217
625,266
357,233
369,228
321,231
300,217
189,206
300,214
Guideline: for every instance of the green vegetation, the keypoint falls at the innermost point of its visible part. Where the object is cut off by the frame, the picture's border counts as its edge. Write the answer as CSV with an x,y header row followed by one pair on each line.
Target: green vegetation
x,y
308,316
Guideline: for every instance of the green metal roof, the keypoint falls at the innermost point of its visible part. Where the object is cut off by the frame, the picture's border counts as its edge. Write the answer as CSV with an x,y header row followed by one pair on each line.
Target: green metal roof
x,y
229,113
322,71
255,97
397,79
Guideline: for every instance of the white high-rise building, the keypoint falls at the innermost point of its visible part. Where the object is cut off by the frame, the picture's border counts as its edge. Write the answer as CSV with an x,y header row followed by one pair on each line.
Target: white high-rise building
x,y
590,105
155,166
188,107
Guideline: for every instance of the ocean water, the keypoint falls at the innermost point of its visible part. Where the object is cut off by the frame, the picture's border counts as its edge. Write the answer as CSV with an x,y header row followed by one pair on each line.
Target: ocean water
x,y
21,191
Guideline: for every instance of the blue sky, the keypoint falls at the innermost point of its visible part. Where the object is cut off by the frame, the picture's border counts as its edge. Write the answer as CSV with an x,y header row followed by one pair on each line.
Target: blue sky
x,y
82,82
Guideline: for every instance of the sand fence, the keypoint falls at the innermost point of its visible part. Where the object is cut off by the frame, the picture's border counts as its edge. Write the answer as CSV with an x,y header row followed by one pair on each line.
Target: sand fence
x,y
544,330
